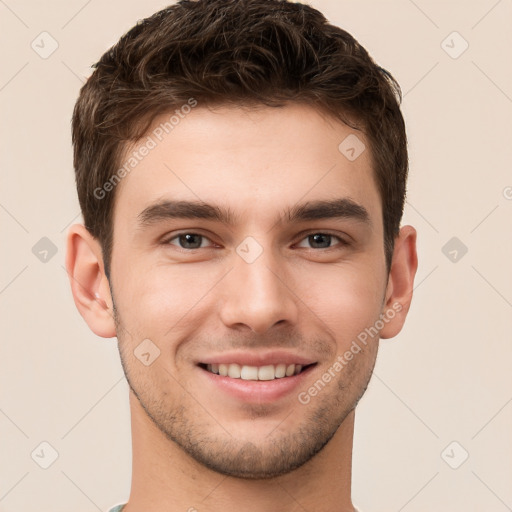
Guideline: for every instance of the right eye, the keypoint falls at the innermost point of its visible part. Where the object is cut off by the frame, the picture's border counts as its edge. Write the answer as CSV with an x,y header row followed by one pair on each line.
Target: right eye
x,y
188,240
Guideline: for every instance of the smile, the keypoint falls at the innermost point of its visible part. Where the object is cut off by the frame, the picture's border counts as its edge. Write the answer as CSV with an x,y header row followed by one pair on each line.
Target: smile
x,y
245,372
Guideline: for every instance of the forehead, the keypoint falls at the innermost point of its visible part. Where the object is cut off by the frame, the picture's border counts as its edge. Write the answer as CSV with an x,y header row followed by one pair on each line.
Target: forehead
x,y
254,161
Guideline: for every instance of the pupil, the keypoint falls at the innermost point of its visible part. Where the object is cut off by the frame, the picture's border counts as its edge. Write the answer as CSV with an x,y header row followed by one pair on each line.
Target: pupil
x,y
320,239
188,240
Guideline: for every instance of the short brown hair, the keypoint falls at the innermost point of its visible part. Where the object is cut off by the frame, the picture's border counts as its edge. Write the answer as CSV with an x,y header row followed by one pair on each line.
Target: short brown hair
x,y
241,52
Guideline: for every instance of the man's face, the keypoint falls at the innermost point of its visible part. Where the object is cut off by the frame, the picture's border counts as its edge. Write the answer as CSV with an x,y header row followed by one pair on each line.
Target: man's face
x,y
279,284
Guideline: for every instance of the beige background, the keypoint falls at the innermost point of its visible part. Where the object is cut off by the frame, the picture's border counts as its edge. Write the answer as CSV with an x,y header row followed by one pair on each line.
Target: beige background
x,y
446,377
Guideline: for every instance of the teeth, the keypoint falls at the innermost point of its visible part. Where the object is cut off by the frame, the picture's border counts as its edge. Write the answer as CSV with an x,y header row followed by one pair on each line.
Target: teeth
x,y
234,371
268,372
249,373
280,371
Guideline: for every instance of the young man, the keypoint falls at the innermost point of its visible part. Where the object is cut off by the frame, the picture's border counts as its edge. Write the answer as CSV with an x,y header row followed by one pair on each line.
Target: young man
x,y
241,167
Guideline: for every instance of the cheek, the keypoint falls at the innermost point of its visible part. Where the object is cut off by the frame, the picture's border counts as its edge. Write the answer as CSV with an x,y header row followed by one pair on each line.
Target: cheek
x,y
346,299
162,298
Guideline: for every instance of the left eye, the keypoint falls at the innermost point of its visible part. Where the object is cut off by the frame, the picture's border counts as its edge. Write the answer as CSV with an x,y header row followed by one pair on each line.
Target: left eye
x,y
189,240
320,240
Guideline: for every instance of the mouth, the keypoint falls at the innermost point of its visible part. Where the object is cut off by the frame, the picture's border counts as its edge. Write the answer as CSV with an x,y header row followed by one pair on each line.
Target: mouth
x,y
255,377
256,373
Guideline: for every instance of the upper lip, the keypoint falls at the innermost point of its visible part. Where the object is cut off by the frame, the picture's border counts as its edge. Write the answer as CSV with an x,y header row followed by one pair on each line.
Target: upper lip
x,y
257,358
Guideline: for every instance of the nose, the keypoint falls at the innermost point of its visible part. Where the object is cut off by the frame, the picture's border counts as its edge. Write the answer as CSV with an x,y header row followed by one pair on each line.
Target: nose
x,y
258,295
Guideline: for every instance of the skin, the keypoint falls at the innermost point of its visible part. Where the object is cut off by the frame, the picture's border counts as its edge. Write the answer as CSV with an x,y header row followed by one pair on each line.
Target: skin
x,y
194,446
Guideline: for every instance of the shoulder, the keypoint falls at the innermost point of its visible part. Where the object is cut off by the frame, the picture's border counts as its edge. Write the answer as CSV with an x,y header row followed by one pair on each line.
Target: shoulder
x,y
117,508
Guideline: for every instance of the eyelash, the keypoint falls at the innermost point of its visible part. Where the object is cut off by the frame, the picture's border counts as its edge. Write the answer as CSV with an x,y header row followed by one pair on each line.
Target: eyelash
x,y
341,243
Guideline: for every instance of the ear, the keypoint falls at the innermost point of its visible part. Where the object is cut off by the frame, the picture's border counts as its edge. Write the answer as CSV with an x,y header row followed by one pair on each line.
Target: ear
x,y
400,282
89,284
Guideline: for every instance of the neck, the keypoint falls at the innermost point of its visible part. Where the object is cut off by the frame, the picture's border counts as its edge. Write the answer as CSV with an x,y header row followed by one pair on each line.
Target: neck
x,y
166,479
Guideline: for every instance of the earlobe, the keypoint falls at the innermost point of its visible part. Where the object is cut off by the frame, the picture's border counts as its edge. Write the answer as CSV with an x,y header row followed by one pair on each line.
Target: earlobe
x,y
89,284
400,282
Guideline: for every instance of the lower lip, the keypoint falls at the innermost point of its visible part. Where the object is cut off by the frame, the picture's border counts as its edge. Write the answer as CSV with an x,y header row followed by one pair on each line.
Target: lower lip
x,y
257,391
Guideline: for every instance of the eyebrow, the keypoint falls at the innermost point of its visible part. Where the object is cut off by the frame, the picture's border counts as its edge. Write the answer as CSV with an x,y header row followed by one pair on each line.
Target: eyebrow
x,y
342,208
